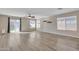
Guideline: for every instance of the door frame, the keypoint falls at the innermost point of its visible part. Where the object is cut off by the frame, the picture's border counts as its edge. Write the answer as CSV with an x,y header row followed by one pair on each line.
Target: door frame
x,y
9,25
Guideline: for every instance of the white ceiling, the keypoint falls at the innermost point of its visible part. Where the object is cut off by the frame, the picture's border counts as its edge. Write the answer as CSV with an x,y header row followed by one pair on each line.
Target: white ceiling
x,y
21,12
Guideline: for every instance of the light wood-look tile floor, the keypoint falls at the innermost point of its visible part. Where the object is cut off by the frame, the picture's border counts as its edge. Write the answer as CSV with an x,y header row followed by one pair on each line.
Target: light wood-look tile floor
x,y
37,41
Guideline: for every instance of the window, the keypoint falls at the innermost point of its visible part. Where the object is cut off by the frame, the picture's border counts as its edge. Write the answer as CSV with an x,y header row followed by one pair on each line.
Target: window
x,y
38,23
67,23
32,23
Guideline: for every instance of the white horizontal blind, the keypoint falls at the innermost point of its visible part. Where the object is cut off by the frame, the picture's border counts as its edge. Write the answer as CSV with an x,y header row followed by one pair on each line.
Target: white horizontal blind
x,y
67,23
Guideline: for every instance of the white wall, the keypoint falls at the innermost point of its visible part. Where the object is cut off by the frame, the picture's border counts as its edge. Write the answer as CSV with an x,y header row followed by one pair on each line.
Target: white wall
x,y
3,24
52,27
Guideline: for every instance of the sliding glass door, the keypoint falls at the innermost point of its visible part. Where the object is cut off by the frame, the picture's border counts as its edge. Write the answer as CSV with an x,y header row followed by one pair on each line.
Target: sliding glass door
x,y
14,25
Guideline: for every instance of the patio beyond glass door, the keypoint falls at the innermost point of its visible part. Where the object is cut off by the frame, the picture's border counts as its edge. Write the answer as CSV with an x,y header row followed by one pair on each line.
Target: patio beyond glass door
x,y
14,25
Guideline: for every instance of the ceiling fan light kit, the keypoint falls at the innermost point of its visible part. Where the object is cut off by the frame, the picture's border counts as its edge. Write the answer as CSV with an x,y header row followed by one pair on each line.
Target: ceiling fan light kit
x,y
47,21
44,21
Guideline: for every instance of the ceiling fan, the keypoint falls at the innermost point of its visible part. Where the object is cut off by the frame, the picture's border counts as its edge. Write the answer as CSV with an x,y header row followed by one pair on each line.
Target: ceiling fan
x,y
30,16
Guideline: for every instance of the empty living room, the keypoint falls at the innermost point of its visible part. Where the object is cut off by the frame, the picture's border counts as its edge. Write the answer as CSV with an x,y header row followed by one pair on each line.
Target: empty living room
x,y
39,29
